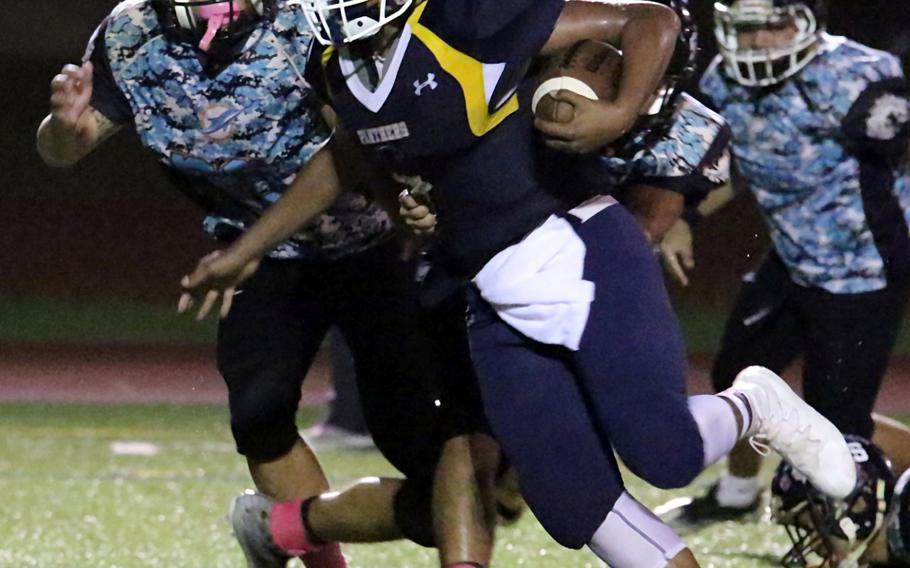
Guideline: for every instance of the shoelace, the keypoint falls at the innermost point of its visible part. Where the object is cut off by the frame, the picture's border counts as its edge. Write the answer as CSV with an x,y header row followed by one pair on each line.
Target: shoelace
x,y
772,428
760,445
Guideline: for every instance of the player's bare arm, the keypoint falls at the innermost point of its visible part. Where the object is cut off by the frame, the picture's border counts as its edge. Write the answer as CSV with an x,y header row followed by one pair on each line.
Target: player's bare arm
x,y
676,246
656,209
646,33
73,128
218,274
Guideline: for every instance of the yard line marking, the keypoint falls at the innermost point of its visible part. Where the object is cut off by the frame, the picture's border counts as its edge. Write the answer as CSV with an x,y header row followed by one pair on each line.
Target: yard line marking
x,y
134,448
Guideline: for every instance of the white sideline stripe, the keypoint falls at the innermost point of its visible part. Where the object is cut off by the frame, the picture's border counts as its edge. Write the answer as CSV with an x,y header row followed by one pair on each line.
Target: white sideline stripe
x,y
134,448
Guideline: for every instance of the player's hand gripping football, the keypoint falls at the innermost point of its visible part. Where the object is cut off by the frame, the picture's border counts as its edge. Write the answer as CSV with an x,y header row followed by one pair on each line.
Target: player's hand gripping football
x,y
216,277
417,216
595,124
71,93
676,251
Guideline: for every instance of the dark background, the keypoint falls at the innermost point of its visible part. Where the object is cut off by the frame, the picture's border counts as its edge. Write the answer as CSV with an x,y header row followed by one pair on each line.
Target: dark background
x,y
111,229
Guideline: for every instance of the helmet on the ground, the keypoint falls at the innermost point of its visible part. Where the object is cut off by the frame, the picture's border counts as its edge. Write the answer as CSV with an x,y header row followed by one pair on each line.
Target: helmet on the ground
x,y
833,532
343,21
205,21
761,67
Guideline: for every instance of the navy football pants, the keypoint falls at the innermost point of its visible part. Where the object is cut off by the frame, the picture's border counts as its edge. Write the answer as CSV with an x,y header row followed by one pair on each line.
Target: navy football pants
x,y
559,414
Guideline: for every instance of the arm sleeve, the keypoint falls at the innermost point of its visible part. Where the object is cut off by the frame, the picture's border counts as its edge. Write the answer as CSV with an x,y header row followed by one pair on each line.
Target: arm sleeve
x,y
494,31
879,120
107,98
692,158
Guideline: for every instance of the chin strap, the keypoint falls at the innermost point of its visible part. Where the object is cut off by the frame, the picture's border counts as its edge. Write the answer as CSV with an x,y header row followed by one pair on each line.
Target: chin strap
x,y
218,16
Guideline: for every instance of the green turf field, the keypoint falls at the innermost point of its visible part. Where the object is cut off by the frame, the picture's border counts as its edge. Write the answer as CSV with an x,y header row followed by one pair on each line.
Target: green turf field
x,y
48,320
70,501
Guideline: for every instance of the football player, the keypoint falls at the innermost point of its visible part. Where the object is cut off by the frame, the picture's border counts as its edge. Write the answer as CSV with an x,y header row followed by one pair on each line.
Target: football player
x,y
215,90
820,129
575,346
676,153
869,528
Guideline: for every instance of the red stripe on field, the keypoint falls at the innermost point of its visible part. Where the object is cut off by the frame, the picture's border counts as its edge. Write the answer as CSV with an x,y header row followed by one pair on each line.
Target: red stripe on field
x,y
182,374
125,373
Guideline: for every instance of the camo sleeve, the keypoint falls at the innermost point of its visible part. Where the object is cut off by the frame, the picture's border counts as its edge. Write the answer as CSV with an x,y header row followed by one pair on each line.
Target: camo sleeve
x,y
107,98
692,158
879,120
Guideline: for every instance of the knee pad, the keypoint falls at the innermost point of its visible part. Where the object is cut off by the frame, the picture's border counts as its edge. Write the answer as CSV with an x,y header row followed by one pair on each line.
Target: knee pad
x,y
633,537
263,421
414,511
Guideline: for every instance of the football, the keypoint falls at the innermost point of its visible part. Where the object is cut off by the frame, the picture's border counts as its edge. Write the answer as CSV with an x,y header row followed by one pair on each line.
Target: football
x,y
589,68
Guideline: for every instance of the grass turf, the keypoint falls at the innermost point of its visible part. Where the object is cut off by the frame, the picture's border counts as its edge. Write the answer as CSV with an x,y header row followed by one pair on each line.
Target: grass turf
x,y
48,320
54,321
69,501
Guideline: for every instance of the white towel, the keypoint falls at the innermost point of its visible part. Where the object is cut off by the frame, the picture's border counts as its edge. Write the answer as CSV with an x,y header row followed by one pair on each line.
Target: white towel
x,y
537,285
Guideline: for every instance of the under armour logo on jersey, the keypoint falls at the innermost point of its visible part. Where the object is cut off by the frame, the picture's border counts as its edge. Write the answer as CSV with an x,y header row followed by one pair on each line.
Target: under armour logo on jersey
x,y
430,82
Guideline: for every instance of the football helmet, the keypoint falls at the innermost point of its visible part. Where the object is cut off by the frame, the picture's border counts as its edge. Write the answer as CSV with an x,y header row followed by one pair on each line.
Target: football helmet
x,y
336,22
829,532
765,66
657,119
206,21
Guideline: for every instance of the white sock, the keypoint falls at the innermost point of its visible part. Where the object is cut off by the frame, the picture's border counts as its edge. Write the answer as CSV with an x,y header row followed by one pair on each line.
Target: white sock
x,y
742,405
633,537
717,425
739,492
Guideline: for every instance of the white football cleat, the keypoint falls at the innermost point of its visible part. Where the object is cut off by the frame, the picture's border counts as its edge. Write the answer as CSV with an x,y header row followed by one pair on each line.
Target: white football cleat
x,y
784,422
250,517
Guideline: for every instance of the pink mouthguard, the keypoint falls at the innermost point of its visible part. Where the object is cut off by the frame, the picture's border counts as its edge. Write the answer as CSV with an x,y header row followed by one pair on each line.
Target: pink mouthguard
x,y
218,16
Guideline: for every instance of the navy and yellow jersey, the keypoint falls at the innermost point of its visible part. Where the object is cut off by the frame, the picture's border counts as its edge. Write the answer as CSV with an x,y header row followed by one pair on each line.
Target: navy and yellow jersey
x,y
445,113
235,139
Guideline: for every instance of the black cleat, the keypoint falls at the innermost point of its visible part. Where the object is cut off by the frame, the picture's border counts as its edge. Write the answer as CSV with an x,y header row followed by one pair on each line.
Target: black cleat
x,y
687,514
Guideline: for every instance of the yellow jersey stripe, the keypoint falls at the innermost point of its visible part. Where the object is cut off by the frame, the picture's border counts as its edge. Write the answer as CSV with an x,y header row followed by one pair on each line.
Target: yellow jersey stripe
x,y
327,55
469,74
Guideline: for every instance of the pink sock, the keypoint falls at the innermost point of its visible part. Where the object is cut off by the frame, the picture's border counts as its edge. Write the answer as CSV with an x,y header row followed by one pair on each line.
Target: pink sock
x,y
328,556
288,531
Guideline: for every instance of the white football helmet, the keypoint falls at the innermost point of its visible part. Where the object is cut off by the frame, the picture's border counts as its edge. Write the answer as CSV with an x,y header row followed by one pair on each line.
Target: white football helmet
x,y
762,67
336,22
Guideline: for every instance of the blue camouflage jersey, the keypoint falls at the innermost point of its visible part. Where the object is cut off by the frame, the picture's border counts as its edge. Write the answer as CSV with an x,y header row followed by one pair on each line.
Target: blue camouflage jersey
x,y
691,158
825,155
235,139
